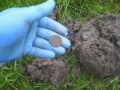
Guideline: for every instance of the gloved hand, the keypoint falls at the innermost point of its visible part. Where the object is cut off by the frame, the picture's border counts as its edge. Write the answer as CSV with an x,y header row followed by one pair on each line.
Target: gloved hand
x,y
26,31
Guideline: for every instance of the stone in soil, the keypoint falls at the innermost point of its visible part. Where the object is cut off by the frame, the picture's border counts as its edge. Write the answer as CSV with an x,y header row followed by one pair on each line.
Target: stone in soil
x,y
98,45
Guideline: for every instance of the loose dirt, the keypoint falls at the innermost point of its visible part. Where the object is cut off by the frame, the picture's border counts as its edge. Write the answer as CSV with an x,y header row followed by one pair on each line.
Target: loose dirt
x,y
98,45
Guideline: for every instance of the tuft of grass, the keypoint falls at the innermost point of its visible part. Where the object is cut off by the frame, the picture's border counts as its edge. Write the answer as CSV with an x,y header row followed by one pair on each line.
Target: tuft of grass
x,y
11,79
17,3
87,9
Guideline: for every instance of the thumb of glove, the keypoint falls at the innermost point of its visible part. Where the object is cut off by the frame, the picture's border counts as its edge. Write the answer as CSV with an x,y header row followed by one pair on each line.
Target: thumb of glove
x,y
36,12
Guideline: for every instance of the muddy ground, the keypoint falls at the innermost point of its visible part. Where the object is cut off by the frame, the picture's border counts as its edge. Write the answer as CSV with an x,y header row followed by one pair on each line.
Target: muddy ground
x,y
96,44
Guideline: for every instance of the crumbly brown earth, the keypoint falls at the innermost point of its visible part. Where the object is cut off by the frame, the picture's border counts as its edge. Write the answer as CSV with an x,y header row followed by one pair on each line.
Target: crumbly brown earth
x,y
53,71
74,27
98,45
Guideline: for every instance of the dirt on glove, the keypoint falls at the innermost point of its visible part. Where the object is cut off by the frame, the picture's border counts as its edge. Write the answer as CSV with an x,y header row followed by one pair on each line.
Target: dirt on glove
x,y
98,45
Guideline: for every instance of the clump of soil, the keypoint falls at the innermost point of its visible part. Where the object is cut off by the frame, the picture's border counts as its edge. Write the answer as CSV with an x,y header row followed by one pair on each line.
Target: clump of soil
x,y
46,70
74,27
98,45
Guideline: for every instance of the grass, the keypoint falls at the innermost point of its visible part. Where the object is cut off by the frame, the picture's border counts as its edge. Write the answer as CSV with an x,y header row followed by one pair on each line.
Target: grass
x,y
11,79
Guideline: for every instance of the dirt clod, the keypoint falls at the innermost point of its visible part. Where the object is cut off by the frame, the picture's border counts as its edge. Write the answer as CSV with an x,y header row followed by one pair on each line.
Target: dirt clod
x,y
74,27
97,45
47,70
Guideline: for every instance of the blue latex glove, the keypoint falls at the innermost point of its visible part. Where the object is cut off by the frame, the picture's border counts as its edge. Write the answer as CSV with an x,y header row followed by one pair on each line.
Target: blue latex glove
x,y
26,31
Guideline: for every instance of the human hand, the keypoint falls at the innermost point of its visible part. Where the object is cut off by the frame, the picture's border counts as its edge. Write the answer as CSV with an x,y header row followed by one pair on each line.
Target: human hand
x,y
27,30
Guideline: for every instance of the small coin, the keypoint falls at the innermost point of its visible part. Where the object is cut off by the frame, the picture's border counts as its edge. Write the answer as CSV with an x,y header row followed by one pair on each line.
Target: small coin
x,y
55,40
